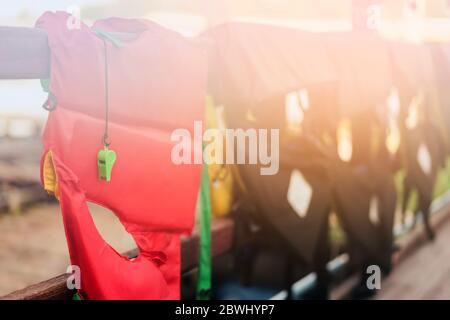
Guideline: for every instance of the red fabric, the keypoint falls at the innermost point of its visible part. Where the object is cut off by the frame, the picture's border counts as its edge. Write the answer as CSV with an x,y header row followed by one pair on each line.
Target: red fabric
x,y
156,84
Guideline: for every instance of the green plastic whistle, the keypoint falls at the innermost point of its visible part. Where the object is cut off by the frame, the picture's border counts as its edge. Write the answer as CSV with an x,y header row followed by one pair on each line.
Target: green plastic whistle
x,y
105,161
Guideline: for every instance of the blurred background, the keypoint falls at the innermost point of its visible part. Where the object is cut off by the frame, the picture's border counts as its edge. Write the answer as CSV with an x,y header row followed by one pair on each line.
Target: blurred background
x,y
32,242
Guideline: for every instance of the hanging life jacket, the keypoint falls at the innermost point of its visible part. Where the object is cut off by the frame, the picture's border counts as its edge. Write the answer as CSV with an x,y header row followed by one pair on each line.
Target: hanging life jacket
x,y
156,82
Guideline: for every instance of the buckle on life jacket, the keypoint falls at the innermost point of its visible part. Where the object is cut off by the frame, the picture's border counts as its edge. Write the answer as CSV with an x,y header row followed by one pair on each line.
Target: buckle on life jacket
x,y
51,103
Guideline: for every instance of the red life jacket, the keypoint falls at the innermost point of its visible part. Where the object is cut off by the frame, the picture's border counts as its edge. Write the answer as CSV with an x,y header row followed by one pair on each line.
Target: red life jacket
x,y
156,84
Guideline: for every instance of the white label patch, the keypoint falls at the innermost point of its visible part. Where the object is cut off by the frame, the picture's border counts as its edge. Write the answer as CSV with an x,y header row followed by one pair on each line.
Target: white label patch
x,y
424,159
374,216
299,193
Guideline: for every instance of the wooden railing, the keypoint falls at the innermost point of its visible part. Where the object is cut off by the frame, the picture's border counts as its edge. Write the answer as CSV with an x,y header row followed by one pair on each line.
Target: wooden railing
x,y
24,53
222,231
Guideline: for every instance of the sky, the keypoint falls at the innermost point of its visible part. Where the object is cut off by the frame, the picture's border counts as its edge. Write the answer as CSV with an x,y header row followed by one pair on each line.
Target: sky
x,y
23,13
12,8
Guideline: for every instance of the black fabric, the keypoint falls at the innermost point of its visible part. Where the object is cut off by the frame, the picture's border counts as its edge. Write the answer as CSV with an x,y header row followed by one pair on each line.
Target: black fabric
x,y
250,62
346,187
268,193
422,70
364,75
441,59
416,178
354,187
347,73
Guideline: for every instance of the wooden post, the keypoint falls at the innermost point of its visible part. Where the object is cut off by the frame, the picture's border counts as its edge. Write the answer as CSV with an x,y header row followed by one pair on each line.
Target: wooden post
x,y
24,53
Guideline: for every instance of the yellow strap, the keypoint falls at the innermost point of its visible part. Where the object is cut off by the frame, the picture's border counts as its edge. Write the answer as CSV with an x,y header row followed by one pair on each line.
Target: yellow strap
x,y
49,175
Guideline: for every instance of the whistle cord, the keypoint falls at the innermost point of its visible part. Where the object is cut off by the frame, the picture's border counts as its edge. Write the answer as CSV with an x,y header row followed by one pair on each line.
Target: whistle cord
x,y
106,141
